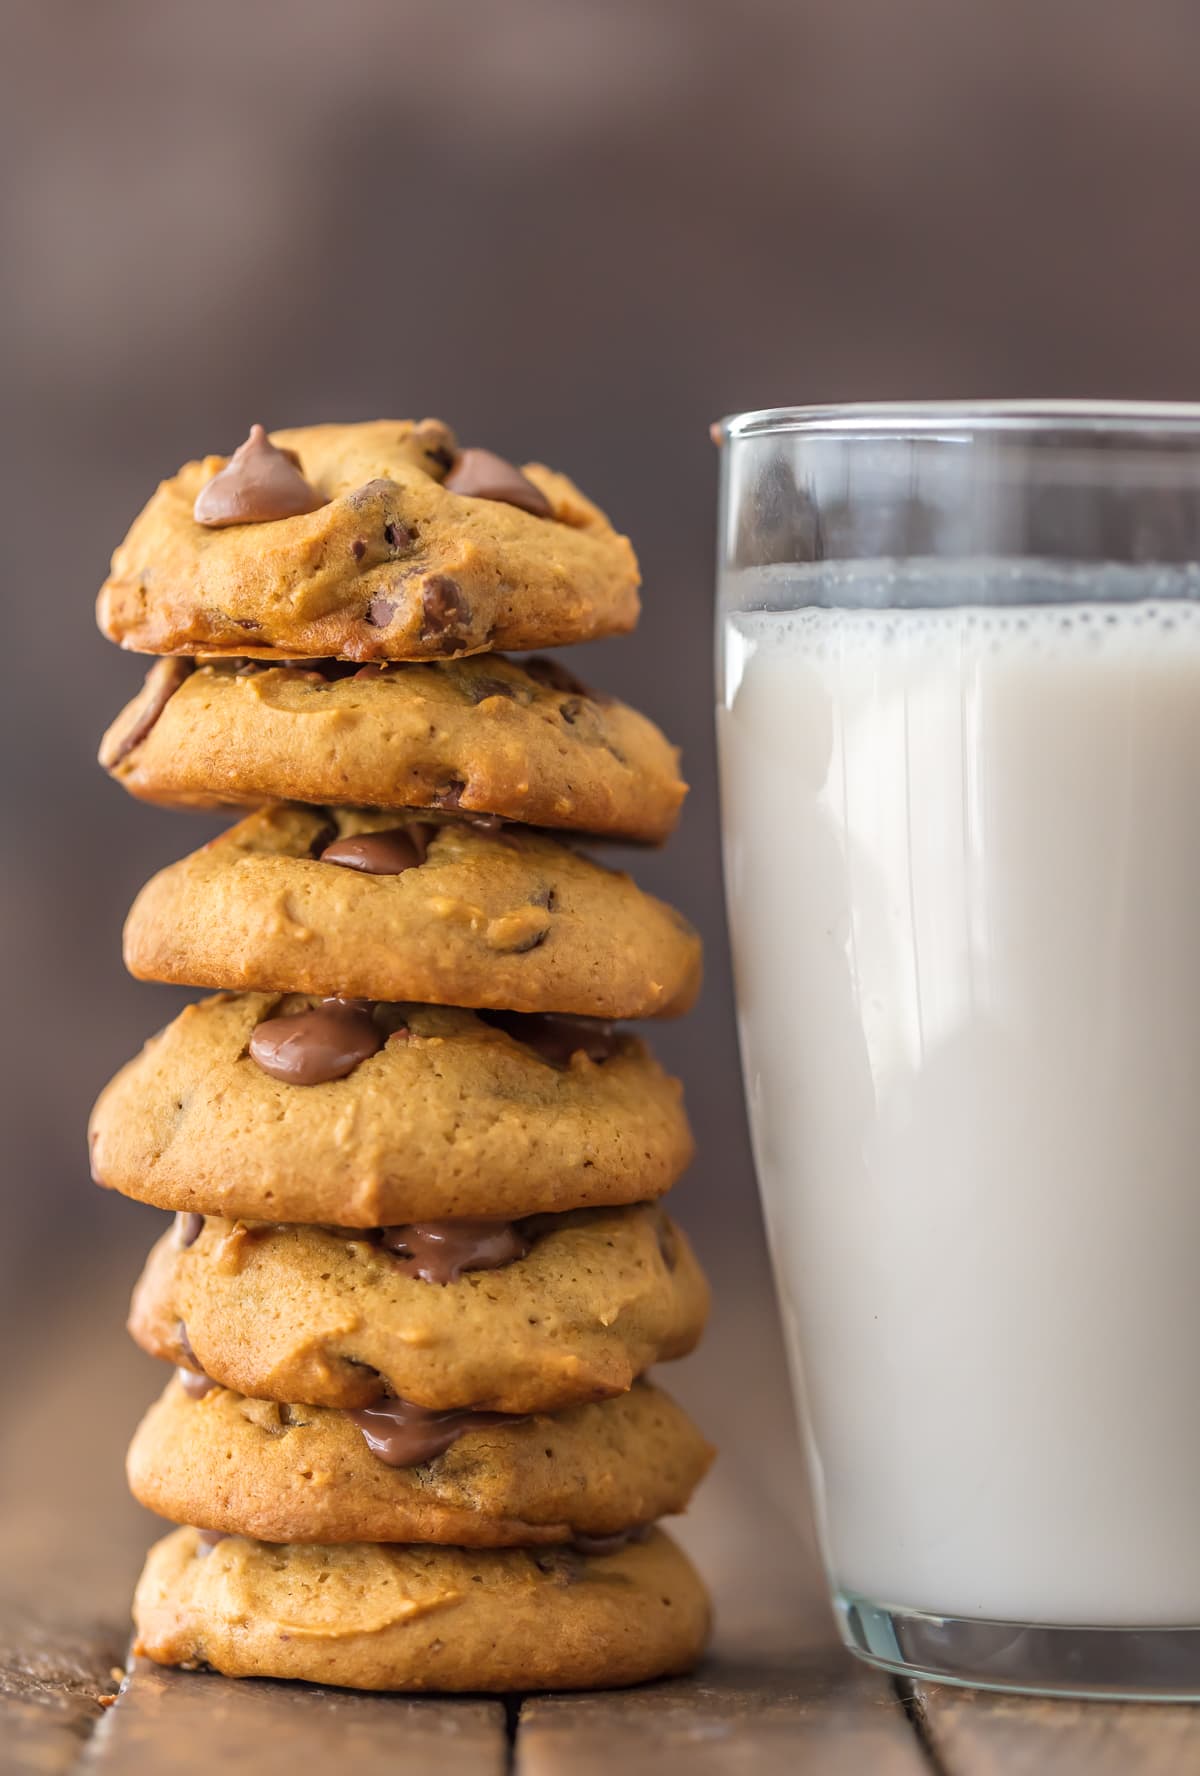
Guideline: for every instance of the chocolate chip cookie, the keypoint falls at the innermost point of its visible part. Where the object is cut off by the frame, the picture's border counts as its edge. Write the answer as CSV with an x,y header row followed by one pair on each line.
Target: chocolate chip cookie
x,y
526,742
371,1615
333,1318
381,541
445,1113
341,902
221,1461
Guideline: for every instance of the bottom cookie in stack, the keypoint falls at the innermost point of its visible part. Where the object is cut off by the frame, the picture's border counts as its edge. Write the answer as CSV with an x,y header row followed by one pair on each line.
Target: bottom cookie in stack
x,y
394,1547
378,1616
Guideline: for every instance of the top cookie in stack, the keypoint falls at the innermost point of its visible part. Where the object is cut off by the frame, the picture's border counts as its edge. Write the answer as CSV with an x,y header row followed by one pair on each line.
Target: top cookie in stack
x,y
417,1278
385,542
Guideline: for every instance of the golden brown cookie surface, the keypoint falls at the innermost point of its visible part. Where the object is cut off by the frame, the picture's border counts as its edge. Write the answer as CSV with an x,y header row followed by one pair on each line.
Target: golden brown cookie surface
x,y
376,1616
391,565
487,735
510,920
455,1116
306,1474
309,1315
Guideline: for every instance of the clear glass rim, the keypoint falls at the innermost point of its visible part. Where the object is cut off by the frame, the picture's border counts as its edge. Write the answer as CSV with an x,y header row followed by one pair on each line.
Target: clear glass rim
x,y
958,419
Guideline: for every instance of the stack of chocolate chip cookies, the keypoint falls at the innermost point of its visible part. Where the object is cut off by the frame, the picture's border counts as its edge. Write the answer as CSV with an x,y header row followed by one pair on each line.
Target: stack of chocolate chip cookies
x,y
418,1269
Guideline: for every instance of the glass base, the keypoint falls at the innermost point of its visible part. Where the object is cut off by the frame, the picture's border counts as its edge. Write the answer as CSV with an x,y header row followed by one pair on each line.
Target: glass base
x,y
1122,1664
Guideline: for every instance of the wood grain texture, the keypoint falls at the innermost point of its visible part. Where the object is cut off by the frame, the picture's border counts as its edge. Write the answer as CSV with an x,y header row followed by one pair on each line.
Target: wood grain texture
x,y
187,1721
972,1733
52,1679
775,1716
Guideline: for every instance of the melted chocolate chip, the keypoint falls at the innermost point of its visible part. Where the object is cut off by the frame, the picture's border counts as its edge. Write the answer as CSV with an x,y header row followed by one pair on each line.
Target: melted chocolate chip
x,y
556,1036
188,1228
404,1435
440,1251
397,535
325,834
609,1544
561,1564
492,826
489,824
378,671
258,484
380,612
358,548
312,1047
445,613
480,474
162,681
387,853
480,689
441,455
195,1383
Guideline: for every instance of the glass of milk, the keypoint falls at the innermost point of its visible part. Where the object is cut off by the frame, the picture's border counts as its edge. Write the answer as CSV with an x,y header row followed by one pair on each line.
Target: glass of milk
x,y
959,719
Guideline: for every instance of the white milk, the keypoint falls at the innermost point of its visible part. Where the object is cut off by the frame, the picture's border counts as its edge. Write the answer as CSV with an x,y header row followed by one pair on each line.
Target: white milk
x,y
963,856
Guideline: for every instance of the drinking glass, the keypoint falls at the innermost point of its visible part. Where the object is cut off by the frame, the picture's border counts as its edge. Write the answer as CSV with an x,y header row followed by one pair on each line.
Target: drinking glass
x,y
959,721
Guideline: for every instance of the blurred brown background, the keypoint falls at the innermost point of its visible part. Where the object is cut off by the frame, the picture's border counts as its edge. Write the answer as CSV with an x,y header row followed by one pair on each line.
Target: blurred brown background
x,y
577,232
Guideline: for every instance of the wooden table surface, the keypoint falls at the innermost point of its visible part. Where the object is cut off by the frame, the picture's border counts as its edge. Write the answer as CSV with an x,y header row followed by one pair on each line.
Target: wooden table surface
x,y
776,1694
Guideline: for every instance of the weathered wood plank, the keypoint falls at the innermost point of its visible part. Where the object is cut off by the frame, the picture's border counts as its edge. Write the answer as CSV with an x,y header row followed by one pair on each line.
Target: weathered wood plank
x,y
192,1722
973,1733
52,1679
775,1716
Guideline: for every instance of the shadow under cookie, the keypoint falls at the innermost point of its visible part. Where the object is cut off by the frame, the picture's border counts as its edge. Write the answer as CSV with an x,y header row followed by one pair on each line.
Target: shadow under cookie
x,y
308,1314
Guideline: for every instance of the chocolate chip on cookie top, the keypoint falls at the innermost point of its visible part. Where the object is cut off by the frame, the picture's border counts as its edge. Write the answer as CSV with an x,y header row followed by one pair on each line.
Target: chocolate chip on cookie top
x,y
312,1047
259,483
480,474
195,1384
